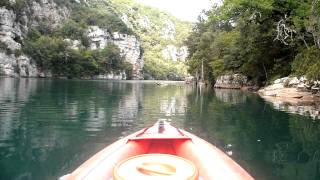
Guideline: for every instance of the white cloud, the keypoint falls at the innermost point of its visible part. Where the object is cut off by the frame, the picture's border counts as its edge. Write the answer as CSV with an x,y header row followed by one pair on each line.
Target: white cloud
x,y
187,10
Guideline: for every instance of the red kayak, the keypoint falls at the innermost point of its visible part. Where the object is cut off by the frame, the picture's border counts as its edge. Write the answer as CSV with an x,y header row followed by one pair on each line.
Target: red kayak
x,y
159,152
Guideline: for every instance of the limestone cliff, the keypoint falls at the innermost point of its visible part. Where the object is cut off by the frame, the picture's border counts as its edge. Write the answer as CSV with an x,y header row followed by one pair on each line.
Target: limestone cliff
x,y
18,17
129,46
162,37
14,25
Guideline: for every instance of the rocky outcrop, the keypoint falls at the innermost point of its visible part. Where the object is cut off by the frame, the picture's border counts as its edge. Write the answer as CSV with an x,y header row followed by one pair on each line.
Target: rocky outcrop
x,y
292,89
125,19
99,38
169,30
46,11
171,52
9,29
232,81
144,22
112,76
295,95
13,29
129,46
17,66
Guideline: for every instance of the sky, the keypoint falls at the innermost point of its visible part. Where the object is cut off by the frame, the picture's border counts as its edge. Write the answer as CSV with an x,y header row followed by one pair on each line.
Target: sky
x,y
187,10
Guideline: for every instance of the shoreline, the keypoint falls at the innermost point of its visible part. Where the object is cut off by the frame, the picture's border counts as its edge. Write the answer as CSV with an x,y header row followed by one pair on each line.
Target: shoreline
x,y
88,79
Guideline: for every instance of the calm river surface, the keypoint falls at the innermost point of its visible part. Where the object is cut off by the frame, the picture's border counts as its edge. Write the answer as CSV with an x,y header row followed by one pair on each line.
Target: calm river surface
x,y
49,127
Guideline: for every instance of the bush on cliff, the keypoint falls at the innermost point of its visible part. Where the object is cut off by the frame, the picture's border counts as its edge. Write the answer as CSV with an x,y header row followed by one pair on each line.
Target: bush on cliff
x,y
103,19
52,53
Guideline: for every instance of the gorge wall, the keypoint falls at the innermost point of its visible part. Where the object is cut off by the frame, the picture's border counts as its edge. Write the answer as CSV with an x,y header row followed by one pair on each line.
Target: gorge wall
x,y
19,17
162,38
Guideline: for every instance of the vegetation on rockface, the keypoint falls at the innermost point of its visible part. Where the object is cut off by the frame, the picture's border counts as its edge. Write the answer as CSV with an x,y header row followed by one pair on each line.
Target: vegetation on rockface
x,y
148,23
51,52
262,39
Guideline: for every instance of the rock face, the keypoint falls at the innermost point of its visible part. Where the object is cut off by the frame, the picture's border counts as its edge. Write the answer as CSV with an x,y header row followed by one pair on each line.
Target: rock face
x,y
129,47
9,29
169,30
173,53
294,95
13,29
292,87
99,38
17,66
234,81
144,22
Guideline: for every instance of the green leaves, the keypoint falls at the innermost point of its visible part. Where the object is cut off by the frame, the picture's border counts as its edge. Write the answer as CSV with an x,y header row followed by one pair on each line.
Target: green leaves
x,y
307,63
242,34
51,53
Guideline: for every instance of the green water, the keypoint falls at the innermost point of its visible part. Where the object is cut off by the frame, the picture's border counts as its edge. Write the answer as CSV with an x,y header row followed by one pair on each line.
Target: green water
x,y
49,127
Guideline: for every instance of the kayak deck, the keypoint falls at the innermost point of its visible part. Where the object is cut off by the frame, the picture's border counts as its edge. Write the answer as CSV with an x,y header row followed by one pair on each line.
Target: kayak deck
x,y
162,138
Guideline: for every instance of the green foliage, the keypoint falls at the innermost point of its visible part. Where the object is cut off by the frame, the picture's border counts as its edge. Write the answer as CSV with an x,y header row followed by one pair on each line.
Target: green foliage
x,y
240,36
102,18
52,53
75,31
16,6
152,40
217,67
307,63
110,58
47,46
4,48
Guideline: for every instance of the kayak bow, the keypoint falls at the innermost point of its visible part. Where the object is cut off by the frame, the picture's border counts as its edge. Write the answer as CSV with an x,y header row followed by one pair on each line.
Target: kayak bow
x,y
160,152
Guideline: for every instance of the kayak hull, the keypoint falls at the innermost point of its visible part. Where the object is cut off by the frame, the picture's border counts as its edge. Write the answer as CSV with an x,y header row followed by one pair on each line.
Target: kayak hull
x,y
161,138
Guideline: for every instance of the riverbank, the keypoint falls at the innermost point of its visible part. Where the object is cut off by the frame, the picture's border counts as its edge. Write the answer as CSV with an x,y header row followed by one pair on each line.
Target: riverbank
x,y
296,95
293,90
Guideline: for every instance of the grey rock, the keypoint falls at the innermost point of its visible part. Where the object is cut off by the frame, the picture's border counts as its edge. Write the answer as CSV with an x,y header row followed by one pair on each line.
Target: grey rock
x,y
74,44
294,81
144,22
8,65
171,52
27,68
233,81
9,29
169,30
99,38
129,46
14,27
125,19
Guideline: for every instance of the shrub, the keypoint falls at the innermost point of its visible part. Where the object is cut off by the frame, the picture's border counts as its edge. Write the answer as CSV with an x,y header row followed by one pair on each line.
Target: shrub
x,y
91,17
307,63
5,48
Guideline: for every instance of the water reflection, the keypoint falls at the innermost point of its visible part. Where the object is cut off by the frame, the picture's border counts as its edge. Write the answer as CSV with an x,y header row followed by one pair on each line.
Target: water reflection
x,y
311,109
270,144
50,127
231,96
